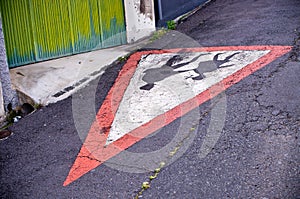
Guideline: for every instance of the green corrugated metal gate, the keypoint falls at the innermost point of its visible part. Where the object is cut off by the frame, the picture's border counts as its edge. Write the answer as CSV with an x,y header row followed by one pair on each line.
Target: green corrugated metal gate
x,y
37,30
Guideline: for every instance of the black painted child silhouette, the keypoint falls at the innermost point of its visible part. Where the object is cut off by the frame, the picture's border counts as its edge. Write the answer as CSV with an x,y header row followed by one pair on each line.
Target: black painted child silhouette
x,y
153,75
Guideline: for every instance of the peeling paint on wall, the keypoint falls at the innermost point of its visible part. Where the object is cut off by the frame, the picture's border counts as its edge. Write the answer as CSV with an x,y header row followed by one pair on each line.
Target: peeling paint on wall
x,y
139,19
146,8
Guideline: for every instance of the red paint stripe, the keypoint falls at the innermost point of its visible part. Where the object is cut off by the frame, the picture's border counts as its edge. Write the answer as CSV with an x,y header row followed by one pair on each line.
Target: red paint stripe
x,y
99,131
94,152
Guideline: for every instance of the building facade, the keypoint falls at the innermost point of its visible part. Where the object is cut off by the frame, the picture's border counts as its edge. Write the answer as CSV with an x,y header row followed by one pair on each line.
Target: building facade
x,y
37,30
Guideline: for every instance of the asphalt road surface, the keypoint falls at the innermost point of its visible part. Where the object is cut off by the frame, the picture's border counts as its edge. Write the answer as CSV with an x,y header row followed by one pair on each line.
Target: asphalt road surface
x,y
255,154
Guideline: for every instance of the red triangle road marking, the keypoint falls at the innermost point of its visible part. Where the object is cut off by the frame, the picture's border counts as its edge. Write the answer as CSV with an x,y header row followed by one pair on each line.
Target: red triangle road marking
x,y
95,151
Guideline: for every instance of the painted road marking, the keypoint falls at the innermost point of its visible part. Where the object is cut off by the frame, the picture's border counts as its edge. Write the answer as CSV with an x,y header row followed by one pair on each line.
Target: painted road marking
x,y
140,106
143,99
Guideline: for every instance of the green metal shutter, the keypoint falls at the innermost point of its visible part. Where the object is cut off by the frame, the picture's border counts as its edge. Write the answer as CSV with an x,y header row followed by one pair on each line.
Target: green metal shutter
x,y
36,30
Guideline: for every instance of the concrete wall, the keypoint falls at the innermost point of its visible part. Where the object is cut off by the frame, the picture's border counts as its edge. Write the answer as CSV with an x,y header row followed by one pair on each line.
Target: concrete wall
x,y
7,94
140,19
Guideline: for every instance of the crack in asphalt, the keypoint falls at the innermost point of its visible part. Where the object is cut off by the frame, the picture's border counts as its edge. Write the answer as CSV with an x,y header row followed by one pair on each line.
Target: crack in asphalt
x,y
147,184
90,158
295,53
271,119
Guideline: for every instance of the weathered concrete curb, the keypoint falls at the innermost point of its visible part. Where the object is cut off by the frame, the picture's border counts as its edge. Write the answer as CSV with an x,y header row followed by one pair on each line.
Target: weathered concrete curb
x,y
54,80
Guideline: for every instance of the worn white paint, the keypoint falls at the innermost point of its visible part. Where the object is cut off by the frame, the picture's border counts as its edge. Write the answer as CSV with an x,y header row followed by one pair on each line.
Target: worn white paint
x,y
2,111
138,24
141,106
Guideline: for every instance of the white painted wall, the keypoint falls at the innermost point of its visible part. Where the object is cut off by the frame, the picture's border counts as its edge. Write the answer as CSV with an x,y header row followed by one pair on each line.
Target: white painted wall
x,y
140,19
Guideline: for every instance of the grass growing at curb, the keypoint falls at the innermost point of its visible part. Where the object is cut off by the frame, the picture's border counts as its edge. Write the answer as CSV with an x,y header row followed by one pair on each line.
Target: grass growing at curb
x,y
147,184
193,129
124,58
158,34
171,25
4,127
8,120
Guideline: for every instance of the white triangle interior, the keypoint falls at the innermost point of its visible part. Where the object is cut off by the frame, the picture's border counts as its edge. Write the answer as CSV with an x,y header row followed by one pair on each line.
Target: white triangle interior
x,y
139,106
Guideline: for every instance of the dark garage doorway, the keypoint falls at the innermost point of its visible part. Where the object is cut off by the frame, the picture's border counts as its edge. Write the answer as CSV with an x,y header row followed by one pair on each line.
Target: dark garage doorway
x,y
166,10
